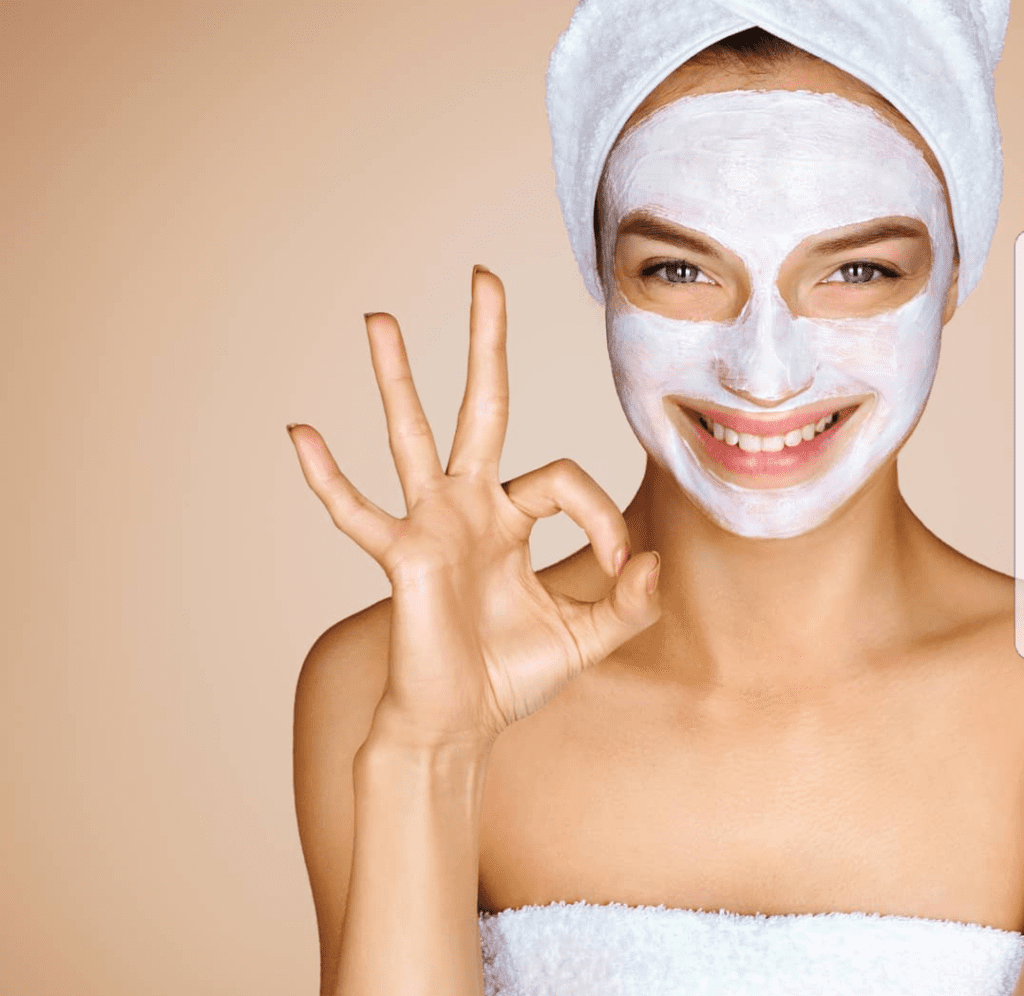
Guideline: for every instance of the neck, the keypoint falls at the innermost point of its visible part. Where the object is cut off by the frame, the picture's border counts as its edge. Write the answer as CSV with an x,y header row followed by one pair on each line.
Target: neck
x,y
777,615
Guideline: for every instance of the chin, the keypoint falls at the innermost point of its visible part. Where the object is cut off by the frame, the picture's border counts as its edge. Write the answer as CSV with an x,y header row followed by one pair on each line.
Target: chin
x,y
772,513
780,526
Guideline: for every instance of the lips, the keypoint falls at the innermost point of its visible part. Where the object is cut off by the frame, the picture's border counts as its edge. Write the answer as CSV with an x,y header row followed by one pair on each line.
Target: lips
x,y
776,467
769,425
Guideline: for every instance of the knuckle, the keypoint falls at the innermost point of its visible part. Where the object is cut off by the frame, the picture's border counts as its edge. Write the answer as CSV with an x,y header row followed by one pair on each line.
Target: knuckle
x,y
495,403
337,518
332,488
343,503
566,470
613,525
413,428
338,507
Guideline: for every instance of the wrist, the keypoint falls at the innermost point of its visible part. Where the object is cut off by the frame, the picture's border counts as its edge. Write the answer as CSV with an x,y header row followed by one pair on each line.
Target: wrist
x,y
393,733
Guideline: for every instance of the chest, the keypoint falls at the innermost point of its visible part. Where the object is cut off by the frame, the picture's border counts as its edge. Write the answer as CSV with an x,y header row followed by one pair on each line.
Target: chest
x,y
905,797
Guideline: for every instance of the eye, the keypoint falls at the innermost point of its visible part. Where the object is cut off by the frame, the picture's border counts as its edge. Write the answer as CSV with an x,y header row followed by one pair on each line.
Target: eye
x,y
677,271
861,272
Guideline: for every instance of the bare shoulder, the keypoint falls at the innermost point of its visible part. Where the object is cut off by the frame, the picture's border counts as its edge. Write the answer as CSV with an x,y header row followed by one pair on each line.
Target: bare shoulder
x,y
995,651
347,666
983,652
987,599
975,649
956,596
341,682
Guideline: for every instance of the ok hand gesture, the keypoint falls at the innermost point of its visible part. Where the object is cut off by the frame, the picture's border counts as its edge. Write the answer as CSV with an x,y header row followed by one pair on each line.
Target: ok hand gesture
x,y
477,642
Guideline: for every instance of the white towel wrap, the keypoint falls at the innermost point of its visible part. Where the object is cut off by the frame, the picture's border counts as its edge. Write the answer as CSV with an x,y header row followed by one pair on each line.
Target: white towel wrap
x,y
587,950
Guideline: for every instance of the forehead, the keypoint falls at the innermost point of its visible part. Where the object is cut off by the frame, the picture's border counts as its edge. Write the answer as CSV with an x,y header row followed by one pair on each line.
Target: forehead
x,y
805,73
756,169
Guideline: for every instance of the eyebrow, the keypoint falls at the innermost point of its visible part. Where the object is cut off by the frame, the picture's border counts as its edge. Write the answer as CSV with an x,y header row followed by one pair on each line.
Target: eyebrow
x,y
650,227
879,232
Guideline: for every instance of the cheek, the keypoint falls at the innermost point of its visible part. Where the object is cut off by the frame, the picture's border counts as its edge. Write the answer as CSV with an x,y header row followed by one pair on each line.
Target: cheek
x,y
648,350
865,349
895,355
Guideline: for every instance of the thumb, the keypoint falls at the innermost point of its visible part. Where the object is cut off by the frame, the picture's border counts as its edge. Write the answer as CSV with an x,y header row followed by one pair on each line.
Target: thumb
x,y
628,609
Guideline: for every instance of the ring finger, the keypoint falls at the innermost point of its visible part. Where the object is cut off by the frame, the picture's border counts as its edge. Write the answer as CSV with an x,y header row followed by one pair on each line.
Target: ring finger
x,y
412,442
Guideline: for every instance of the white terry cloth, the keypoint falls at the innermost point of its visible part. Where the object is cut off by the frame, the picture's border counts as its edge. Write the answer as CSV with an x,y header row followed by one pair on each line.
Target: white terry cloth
x,y
617,950
932,59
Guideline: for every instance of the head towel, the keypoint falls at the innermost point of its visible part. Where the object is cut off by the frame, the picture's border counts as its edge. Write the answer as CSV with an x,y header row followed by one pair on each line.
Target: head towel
x,y
932,59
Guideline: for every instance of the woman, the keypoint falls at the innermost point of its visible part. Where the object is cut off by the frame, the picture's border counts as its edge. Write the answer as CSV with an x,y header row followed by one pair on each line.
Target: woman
x,y
813,708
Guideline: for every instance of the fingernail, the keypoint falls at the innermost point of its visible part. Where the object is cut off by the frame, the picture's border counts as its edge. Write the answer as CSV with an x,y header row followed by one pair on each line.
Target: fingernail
x,y
480,268
366,315
621,556
652,578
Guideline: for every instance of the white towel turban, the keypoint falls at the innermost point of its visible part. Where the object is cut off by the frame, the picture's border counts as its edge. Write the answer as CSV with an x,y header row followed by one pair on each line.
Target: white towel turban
x,y
932,59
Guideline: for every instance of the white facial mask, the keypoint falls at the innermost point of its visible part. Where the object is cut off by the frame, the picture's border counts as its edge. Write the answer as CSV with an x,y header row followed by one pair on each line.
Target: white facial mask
x,y
760,172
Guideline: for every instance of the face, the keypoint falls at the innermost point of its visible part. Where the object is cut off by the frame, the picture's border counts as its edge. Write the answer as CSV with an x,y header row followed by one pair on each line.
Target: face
x,y
781,270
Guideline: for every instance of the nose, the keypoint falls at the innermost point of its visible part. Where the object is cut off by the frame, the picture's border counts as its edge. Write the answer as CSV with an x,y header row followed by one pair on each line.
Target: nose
x,y
767,355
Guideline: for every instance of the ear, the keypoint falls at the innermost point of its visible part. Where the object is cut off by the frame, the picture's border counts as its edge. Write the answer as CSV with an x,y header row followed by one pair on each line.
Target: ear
x,y
952,294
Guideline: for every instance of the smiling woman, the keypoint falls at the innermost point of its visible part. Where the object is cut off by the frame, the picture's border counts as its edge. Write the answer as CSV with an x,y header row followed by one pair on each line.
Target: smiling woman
x,y
730,745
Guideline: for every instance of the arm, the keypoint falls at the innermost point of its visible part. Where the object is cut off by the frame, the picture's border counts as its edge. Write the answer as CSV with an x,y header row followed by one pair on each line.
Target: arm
x,y
389,797
340,683
390,834
411,925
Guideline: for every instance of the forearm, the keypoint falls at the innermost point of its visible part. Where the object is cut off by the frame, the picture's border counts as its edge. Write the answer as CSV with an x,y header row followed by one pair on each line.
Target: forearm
x,y
411,919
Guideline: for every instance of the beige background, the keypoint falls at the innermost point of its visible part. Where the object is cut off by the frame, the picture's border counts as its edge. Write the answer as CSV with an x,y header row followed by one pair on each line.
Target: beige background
x,y
199,201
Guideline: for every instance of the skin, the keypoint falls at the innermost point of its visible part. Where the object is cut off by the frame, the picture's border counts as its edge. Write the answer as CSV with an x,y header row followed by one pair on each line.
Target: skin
x,y
870,561
771,361
785,726
811,281
794,697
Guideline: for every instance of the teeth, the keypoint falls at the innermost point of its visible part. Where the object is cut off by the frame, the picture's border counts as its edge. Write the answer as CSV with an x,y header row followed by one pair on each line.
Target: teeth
x,y
750,443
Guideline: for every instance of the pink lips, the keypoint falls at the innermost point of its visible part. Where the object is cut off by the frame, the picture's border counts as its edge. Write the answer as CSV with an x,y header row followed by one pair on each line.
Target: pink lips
x,y
774,468
777,425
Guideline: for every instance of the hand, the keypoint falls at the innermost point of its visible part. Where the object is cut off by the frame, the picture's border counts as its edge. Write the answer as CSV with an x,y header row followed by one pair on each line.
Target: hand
x,y
477,642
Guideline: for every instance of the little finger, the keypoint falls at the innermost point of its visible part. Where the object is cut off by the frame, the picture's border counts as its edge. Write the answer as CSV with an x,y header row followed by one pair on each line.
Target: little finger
x,y
354,514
